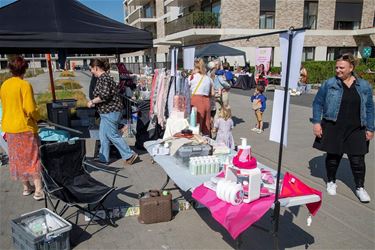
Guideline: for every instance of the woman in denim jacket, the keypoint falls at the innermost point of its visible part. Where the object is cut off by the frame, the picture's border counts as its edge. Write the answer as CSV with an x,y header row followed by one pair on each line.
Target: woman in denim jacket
x,y
343,118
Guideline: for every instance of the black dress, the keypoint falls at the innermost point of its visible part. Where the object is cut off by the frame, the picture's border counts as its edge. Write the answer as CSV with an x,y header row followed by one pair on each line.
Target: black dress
x,y
346,135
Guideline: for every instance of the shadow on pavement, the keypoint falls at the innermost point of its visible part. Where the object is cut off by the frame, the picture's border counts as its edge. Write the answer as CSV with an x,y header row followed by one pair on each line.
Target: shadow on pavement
x,y
237,120
77,235
255,237
344,172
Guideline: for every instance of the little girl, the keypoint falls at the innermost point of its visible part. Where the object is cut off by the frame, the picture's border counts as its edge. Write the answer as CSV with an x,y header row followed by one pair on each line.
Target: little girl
x,y
259,105
224,126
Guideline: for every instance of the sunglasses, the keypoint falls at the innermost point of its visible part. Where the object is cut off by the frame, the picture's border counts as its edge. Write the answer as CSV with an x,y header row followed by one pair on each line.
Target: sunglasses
x,y
348,58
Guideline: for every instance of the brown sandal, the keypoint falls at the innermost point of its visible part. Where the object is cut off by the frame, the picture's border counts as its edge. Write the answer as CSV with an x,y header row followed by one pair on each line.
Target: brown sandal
x,y
132,159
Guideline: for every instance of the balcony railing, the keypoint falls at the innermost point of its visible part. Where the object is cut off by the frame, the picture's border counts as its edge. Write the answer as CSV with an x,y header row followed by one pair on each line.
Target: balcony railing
x,y
140,13
196,19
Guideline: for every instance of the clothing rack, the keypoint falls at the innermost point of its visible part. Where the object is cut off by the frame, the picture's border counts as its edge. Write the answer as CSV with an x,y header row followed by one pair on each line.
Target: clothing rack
x,y
290,31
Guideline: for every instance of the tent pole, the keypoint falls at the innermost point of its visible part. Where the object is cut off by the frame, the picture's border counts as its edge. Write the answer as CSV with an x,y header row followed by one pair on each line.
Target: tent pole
x,y
48,56
175,69
276,211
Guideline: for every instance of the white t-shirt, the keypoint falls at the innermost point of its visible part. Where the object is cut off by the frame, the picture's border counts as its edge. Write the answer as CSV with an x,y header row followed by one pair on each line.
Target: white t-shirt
x,y
205,86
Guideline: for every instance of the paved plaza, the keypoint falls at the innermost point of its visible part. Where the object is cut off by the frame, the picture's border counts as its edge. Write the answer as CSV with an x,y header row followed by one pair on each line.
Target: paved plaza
x,y
341,223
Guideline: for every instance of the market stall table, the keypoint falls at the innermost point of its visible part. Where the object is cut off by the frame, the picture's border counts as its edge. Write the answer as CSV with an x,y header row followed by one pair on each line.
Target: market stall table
x,y
220,210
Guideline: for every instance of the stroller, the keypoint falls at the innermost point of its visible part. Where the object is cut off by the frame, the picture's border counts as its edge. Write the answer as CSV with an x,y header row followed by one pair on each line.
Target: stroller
x,y
126,80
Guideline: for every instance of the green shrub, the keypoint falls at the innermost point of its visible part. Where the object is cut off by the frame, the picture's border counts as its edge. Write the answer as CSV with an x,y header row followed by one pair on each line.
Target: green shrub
x,y
29,73
275,70
67,73
33,72
44,98
318,71
4,76
66,84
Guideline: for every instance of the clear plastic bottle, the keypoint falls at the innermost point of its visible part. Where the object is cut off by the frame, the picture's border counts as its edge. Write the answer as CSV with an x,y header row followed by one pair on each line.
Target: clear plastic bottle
x,y
191,165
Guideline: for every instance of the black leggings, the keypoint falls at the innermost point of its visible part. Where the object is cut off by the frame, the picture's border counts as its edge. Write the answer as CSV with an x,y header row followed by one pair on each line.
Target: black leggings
x,y
357,164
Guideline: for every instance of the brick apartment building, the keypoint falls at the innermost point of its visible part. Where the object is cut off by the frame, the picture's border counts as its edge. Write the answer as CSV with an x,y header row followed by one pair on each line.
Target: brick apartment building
x,y
337,26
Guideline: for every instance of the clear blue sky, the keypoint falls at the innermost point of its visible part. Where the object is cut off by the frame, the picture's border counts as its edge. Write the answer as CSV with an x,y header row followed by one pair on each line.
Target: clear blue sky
x,y
110,8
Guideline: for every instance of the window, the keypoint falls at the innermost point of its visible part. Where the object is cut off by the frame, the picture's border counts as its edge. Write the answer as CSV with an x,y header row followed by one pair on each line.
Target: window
x,y
267,14
43,63
310,14
308,54
148,13
335,52
211,6
348,14
3,64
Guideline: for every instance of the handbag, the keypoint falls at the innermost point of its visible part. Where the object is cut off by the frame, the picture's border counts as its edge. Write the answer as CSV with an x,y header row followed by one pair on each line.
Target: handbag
x,y
155,207
197,87
256,104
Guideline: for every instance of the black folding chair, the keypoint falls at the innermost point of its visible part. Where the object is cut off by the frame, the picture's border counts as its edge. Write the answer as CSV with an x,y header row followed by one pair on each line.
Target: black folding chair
x,y
66,179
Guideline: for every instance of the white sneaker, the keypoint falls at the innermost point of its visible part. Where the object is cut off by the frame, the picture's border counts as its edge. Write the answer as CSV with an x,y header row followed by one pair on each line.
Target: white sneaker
x,y
255,129
363,195
331,188
259,131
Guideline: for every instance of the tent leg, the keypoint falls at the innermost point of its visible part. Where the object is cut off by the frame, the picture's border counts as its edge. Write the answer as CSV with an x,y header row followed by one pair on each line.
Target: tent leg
x,y
48,56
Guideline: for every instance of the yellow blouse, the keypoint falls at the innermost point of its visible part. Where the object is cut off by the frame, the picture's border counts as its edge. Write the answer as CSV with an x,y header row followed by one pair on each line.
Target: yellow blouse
x,y
20,113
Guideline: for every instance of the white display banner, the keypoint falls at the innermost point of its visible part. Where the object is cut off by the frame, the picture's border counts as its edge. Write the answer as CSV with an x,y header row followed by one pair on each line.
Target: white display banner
x,y
189,54
173,62
277,117
262,60
295,63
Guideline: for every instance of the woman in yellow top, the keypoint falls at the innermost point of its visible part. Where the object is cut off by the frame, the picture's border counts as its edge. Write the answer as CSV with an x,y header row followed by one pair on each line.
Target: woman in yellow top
x,y
19,122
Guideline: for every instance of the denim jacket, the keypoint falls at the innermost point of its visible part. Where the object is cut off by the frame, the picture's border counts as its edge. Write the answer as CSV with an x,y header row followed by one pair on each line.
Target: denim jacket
x,y
328,99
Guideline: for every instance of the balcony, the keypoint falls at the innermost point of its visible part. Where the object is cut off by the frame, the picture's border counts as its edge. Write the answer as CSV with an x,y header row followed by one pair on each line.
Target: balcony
x,y
179,3
194,20
138,2
141,15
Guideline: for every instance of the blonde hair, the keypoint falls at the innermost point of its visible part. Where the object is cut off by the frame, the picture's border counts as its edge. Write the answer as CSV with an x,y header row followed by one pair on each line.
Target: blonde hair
x,y
348,57
225,113
200,66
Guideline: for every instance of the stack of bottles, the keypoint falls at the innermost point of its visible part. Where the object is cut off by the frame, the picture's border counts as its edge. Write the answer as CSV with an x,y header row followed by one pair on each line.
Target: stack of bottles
x,y
204,165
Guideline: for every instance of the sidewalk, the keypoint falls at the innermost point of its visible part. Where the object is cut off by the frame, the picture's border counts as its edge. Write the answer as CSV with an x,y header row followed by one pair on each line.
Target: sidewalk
x,y
342,222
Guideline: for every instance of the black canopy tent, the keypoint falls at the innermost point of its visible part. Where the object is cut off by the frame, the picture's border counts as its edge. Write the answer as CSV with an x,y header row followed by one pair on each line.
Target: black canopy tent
x,y
38,26
217,50
42,26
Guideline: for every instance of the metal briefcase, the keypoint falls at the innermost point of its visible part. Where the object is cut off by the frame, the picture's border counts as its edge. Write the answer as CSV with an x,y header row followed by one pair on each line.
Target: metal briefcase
x,y
155,207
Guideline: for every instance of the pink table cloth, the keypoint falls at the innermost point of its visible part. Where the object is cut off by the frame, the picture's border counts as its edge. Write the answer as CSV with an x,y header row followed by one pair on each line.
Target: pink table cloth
x,y
236,219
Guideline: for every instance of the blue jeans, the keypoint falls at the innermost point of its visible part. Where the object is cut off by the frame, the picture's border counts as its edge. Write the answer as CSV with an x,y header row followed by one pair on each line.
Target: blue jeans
x,y
108,132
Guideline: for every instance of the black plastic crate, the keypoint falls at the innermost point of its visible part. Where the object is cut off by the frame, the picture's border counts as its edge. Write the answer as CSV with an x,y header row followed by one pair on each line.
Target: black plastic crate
x,y
64,103
29,233
59,115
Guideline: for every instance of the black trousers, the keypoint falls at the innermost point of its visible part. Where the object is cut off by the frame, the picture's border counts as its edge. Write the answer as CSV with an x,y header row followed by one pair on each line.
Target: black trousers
x,y
357,164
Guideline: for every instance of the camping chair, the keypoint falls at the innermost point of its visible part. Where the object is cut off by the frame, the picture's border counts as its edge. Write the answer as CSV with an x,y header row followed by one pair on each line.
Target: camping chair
x,y
66,179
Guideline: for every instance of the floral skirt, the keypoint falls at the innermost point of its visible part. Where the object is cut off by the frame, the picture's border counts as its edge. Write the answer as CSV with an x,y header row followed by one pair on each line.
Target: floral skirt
x,y
24,162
